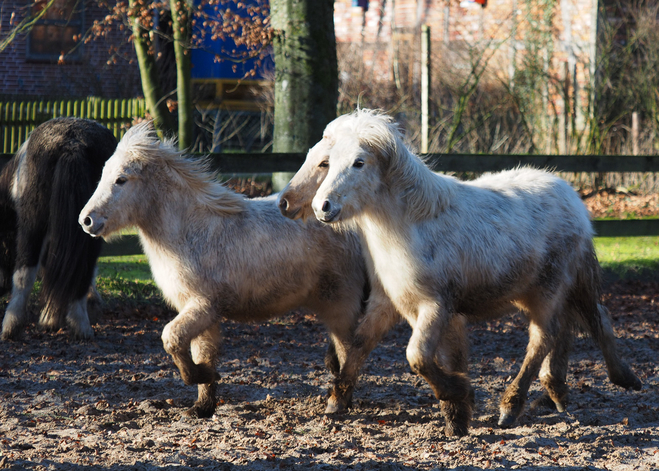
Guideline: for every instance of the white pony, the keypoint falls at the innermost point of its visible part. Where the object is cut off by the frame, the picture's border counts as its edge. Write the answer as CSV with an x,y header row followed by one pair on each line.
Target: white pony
x,y
216,255
443,250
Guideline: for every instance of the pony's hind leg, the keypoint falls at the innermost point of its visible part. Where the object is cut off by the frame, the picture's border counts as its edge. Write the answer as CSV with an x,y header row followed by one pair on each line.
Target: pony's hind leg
x,y
29,250
16,315
77,319
205,351
332,362
94,300
553,373
177,337
542,335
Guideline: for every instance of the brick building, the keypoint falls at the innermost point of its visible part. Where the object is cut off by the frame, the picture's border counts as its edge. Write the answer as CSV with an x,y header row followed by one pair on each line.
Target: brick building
x,y
380,30
34,65
374,23
386,33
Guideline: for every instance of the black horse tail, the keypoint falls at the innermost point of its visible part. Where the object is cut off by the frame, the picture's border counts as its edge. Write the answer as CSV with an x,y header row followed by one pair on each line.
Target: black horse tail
x,y
70,256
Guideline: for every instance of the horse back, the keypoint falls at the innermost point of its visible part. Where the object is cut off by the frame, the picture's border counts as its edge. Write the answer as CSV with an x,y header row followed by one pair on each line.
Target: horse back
x,y
505,237
264,264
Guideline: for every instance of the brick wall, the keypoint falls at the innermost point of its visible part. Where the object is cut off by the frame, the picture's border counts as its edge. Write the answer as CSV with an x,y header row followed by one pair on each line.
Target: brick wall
x,y
90,76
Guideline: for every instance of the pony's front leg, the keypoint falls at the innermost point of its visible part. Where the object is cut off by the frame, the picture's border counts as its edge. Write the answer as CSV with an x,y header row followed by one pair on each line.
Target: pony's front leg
x,y
433,325
379,318
453,351
205,351
177,337
16,313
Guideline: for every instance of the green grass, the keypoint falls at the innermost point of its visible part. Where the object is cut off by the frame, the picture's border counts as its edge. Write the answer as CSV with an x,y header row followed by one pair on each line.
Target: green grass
x,y
129,277
629,257
129,267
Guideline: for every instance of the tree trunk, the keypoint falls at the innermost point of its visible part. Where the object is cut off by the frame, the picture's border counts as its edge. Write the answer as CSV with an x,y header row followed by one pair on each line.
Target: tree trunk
x,y
182,24
306,73
149,76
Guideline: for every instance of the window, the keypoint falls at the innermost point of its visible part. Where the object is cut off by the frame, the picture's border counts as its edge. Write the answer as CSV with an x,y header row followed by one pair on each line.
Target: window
x,y
54,33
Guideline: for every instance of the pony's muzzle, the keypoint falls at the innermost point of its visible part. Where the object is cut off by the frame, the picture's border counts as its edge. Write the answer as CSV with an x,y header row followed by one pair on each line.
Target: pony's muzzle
x,y
92,224
328,212
285,208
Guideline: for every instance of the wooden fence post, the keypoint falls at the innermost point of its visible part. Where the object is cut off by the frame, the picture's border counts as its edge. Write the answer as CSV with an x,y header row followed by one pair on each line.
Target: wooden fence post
x,y
425,86
635,133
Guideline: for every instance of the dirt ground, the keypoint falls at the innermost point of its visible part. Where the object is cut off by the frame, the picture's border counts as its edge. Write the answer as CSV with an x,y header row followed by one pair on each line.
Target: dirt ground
x,y
115,402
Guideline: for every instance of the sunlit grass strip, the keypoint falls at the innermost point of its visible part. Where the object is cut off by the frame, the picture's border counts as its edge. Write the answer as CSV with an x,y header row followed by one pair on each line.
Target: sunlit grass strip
x,y
624,256
629,256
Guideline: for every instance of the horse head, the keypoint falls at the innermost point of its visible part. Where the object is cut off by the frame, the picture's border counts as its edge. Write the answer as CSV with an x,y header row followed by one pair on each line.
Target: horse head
x,y
120,197
364,143
295,199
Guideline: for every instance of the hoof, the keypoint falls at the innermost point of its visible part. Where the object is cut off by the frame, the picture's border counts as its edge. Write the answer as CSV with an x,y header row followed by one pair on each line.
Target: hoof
x,y
12,327
334,407
457,416
626,379
85,334
199,411
507,420
456,430
546,402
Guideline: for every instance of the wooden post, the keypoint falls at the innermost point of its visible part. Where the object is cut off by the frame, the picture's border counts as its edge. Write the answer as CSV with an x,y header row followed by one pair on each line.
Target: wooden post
x,y
447,11
512,50
635,133
425,86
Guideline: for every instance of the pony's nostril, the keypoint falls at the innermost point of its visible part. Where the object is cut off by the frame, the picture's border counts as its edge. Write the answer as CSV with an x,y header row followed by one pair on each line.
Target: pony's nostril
x,y
283,204
326,206
87,221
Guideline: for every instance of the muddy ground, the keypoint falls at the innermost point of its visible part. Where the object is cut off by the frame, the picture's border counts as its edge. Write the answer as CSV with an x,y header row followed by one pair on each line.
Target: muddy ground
x,y
115,402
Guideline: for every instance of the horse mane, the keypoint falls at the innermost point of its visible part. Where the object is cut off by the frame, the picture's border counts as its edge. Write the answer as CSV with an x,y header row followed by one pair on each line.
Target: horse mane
x,y
425,192
143,144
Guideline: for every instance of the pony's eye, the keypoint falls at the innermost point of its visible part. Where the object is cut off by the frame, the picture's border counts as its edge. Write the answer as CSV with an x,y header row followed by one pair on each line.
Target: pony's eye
x,y
121,180
323,164
359,163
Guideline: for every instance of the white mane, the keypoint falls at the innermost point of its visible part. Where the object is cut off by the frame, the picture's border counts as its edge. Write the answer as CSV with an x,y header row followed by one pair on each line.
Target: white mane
x,y
426,193
143,145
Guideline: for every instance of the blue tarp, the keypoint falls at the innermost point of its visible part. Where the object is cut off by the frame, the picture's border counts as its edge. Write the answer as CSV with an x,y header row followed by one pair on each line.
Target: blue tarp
x,y
204,65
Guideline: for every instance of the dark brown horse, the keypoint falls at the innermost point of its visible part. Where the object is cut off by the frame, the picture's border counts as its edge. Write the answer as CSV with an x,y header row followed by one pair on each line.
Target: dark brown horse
x,y
42,190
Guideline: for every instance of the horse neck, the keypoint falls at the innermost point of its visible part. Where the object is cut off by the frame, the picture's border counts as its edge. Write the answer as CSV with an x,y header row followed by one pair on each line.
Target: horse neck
x,y
164,217
384,232
424,193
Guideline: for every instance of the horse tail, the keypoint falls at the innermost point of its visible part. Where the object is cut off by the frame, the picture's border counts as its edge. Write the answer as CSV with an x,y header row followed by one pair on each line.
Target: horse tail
x,y
7,226
70,257
595,318
584,296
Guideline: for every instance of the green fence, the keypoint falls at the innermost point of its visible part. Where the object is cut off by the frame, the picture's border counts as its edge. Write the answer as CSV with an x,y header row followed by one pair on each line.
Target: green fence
x,y
19,118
